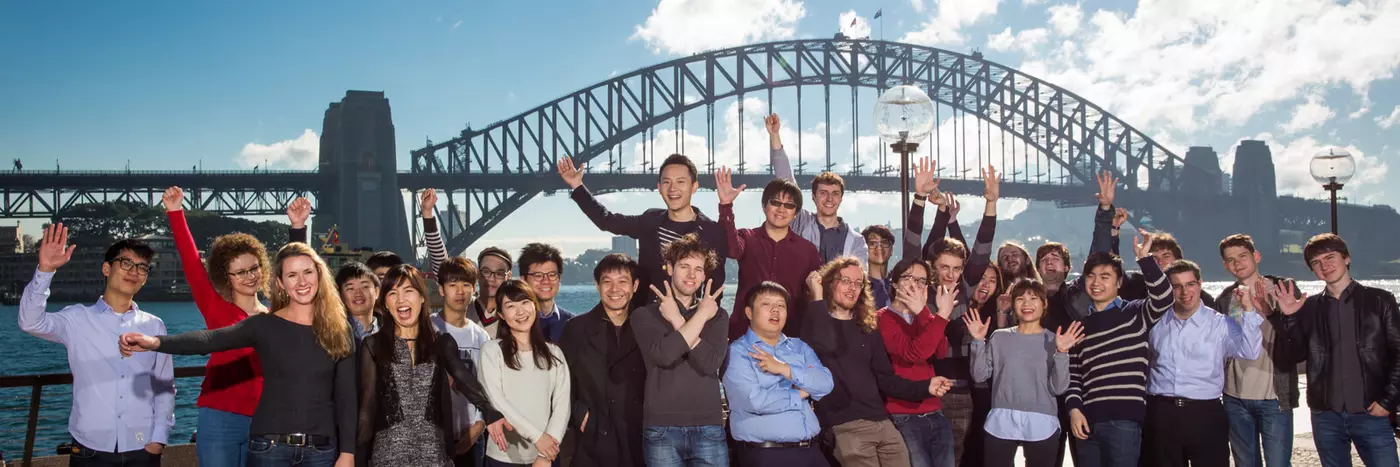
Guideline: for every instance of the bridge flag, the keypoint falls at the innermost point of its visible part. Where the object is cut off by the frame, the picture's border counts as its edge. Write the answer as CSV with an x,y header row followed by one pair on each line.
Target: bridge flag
x,y
877,15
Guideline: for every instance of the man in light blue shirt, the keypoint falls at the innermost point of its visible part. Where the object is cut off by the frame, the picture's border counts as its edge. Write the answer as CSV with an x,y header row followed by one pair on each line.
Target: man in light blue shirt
x,y
771,381
123,408
1186,420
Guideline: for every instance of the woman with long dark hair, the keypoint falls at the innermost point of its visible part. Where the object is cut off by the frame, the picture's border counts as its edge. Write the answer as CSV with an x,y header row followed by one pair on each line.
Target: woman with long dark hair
x,y
405,406
527,380
307,413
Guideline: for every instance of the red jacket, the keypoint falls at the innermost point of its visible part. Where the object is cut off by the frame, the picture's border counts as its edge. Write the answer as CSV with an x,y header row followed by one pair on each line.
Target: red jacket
x,y
787,262
911,346
233,379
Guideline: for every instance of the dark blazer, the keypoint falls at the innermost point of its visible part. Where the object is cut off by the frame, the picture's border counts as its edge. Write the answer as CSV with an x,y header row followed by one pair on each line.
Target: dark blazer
x,y
609,379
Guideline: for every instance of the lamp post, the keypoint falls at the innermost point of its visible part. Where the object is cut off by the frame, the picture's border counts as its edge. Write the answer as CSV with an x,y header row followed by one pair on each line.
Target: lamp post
x,y
1332,168
904,114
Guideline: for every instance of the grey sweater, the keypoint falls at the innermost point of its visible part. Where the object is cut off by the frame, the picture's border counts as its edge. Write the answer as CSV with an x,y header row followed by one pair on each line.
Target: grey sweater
x,y
683,386
1026,370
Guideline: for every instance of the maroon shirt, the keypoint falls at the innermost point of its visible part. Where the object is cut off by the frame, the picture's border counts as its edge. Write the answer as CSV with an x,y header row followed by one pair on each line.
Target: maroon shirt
x,y
787,262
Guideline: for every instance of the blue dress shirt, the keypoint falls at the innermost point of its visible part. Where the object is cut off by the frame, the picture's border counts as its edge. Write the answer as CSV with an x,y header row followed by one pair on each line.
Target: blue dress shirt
x,y
767,407
119,404
1189,355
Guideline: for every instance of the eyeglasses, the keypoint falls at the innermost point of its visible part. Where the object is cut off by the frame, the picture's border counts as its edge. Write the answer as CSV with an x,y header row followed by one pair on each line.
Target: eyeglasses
x,y
126,265
246,273
842,281
494,273
779,204
917,280
543,276
879,244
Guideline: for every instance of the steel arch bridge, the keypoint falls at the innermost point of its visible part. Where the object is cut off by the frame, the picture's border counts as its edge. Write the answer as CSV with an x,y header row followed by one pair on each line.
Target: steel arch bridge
x,y
1056,126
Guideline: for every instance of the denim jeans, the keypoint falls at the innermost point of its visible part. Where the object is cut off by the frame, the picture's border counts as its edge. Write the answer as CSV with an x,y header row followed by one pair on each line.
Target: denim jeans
x,y
929,438
685,446
264,453
1251,420
1335,432
1114,443
221,438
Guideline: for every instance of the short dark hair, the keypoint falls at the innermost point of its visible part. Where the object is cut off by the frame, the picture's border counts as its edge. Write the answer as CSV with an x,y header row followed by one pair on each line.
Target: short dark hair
x,y
1324,243
1104,258
767,287
354,270
536,253
616,262
829,178
497,252
135,246
950,246
457,269
1048,248
1165,241
880,231
678,159
782,186
1237,240
383,259
902,267
687,246
1031,285
1183,265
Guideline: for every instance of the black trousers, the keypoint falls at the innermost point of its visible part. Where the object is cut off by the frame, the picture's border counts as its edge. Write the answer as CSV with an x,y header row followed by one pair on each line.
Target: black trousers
x,y
810,456
83,456
1066,438
1002,452
1179,431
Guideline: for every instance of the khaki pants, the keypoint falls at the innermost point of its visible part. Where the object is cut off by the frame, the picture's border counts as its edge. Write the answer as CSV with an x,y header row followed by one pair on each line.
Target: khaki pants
x,y
863,443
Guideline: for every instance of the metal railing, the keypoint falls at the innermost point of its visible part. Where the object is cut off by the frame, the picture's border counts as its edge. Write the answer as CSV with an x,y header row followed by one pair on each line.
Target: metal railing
x,y
36,384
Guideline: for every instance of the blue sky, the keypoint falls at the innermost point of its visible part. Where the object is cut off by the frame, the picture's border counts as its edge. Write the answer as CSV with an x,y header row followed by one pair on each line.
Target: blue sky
x,y
171,84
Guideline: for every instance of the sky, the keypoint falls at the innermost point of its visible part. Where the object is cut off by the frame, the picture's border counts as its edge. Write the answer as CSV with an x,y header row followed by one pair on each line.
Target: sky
x,y
227,85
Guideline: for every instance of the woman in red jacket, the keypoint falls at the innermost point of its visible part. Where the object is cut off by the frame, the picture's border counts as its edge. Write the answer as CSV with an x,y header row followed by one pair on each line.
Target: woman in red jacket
x,y
226,293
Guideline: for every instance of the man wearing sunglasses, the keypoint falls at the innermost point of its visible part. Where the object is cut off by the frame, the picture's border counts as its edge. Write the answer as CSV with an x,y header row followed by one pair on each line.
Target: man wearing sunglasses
x,y
770,252
123,407
827,231
542,266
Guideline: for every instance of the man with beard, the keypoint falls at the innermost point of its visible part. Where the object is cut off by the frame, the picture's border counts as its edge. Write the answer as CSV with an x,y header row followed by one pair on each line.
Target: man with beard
x,y
770,252
609,374
654,228
682,339
826,230
1015,262
880,242
543,268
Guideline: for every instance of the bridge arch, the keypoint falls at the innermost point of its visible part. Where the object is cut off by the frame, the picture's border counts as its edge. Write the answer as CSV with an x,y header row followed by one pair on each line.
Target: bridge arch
x,y
1063,127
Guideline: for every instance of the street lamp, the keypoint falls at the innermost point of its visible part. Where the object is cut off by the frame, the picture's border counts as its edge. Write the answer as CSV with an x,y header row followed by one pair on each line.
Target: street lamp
x,y
904,114
1333,168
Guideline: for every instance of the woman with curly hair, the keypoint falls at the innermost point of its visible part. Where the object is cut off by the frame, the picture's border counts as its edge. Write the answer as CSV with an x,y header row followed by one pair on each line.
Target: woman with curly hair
x,y
307,413
840,327
225,294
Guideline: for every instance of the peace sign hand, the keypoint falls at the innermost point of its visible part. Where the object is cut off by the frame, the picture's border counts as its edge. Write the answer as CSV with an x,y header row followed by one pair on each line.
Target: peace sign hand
x,y
573,176
1107,183
1068,339
724,183
770,364
709,301
975,325
1287,297
54,251
173,199
666,304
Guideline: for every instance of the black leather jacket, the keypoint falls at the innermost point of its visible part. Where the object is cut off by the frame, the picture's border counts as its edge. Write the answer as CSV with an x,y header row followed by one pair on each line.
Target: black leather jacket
x,y
1378,344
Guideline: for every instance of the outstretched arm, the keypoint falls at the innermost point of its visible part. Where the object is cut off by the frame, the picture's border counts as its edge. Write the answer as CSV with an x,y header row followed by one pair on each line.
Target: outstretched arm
x,y
437,250
608,221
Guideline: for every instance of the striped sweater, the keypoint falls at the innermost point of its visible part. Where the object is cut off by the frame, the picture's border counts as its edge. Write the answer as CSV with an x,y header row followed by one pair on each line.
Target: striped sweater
x,y
1108,371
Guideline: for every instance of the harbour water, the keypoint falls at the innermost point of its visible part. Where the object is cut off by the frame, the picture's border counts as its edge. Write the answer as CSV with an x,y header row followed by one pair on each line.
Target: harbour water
x,y
24,354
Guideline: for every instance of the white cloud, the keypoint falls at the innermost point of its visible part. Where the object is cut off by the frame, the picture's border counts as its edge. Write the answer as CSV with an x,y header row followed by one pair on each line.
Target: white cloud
x,y
1309,115
918,5
945,27
853,25
1390,120
301,153
1027,41
684,27
1365,106
1066,18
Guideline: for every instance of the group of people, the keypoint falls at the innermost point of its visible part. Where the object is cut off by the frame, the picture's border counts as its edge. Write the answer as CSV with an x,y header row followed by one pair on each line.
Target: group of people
x,y
832,356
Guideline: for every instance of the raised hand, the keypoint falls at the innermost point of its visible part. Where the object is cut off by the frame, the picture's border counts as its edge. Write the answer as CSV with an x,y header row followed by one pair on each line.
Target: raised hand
x,y
770,364
173,199
814,285
925,183
1142,244
1065,340
724,184
946,300
992,184
1120,216
1107,183
709,301
939,385
975,325
1287,298
772,123
131,342
54,251
666,304
1244,297
573,176
298,212
1259,292
498,433
426,203
951,202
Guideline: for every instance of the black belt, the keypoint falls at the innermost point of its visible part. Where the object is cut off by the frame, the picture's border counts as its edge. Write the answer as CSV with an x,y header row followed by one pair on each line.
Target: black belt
x,y
1182,401
298,440
775,444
